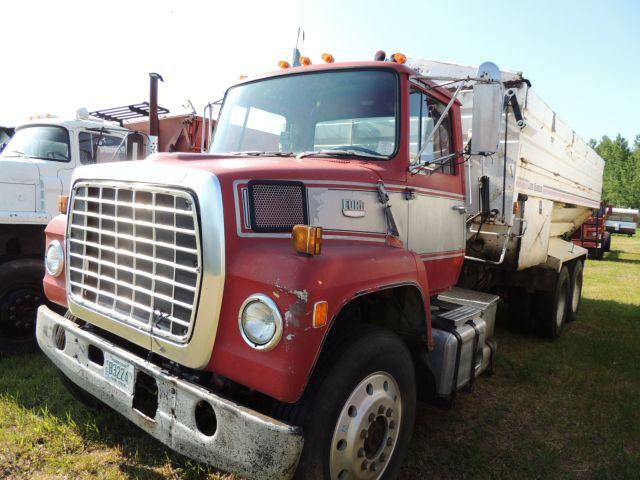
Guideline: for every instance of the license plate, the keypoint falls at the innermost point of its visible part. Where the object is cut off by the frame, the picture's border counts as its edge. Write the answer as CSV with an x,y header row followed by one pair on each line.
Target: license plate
x,y
119,372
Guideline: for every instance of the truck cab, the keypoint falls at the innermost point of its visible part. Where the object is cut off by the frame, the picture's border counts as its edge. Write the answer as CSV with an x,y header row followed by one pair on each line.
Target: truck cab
x,y
37,165
283,300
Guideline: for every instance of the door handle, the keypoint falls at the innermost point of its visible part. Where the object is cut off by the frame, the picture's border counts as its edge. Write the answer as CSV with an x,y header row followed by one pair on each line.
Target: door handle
x,y
460,209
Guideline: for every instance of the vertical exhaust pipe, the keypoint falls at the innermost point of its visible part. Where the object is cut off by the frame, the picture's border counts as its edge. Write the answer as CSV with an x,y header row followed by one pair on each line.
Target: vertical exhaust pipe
x,y
154,121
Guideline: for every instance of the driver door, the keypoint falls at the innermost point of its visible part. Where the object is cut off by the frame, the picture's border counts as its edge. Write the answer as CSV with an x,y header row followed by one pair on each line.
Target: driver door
x,y
436,179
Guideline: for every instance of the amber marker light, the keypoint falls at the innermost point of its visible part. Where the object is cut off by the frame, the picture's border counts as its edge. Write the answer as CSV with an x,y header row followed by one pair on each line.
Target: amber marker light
x,y
63,203
306,239
284,64
327,57
320,314
399,58
305,61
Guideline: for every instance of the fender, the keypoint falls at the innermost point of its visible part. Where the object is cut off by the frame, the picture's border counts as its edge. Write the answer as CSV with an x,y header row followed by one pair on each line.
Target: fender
x,y
55,287
344,271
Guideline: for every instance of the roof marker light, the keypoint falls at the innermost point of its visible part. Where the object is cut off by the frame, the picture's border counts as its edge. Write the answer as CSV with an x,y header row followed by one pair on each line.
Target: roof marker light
x,y
327,57
284,64
305,61
399,58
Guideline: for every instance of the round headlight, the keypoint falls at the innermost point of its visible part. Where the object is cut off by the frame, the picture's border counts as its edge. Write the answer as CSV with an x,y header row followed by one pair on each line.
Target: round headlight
x,y
54,259
260,322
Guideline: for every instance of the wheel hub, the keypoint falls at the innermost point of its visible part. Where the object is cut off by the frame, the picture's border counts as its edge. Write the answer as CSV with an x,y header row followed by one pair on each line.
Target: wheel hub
x,y
367,429
18,313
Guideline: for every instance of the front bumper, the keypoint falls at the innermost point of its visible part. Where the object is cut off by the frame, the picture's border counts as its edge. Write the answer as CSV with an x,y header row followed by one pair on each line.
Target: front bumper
x,y
245,441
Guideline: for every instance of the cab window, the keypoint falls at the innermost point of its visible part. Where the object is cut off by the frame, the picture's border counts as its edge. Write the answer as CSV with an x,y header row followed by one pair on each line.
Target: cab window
x,y
101,148
424,115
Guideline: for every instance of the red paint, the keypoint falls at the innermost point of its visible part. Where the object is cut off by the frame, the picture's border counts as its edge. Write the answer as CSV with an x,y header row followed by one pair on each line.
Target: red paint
x,y
54,287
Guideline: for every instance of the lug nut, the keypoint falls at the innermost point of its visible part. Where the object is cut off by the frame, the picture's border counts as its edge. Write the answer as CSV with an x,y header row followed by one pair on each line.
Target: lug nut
x,y
361,452
28,297
373,467
12,308
372,417
12,317
380,410
382,458
365,465
392,424
389,441
364,434
36,299
389,412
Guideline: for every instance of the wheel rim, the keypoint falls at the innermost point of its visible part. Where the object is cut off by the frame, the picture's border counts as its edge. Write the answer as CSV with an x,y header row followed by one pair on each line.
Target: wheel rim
x,y
366,433
18,313
561,305
577,293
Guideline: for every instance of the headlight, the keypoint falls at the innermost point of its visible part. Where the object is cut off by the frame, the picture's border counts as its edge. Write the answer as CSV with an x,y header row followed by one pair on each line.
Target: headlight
x,y
260,322
54,259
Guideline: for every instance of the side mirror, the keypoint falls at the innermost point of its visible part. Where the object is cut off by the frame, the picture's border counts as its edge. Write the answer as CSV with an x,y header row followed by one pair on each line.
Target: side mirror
x,y
488,105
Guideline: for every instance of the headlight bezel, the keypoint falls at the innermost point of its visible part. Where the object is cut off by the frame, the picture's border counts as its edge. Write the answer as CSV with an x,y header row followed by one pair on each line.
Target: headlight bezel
x,y
55,244
271,305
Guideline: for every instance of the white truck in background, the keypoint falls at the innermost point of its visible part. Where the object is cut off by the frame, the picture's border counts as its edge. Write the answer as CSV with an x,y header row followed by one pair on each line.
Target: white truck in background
x,y
36,166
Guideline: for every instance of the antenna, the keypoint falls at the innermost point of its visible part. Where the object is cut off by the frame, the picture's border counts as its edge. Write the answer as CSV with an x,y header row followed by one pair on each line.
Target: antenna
x,y
296,52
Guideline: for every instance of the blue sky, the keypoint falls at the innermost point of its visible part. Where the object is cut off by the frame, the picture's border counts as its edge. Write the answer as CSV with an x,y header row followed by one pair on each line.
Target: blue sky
x,y
582,57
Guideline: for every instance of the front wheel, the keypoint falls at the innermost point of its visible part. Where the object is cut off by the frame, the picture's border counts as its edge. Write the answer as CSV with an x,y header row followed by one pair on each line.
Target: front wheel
x,y
359,416
21,294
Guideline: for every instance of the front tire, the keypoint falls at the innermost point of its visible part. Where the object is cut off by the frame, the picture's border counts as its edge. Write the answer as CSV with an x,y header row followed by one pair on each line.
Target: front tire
x,y
359,415
21,293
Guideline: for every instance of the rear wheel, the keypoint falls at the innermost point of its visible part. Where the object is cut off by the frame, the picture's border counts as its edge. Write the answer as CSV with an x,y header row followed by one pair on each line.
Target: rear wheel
x,y
358,418
607,242
575,295
21,293
519,309
551,306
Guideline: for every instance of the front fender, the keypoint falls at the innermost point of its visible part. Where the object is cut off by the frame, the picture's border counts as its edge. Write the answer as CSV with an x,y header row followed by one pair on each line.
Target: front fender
x,y
55,287
342,272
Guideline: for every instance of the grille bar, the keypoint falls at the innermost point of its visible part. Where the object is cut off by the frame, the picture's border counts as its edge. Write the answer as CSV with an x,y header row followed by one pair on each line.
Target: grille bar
x,y
138,239
131,270
134,255
138,205
135,223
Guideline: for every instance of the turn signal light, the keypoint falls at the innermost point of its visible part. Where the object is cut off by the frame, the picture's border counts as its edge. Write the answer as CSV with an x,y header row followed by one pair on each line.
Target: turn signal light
x,y
284,64
63,203
327,57
399,57
306,239
305,61
320,314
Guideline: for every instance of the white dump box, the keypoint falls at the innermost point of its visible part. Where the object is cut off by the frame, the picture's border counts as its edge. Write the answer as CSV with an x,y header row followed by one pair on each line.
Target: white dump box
x,y
548,186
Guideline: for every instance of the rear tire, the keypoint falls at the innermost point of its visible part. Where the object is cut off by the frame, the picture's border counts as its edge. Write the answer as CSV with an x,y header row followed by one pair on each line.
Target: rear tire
x,y
358,415
575,292
21,293
551,307
519,308
607,242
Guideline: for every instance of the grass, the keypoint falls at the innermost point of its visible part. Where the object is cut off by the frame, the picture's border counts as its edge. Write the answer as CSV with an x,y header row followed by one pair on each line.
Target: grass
x,y
563,409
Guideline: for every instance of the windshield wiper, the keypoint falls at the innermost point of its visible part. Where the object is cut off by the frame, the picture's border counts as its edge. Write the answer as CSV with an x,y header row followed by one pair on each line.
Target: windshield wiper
x,y
23,155
258,153
339,153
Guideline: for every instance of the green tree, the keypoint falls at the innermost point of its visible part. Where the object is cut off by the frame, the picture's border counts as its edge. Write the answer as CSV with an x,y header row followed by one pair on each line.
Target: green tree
x,y
621,183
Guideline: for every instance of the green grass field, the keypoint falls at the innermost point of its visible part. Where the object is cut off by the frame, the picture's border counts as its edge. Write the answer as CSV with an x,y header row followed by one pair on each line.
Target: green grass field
x,y
563,409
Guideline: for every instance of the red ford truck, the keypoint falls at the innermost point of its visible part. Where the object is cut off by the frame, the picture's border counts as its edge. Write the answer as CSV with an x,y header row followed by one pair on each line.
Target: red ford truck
x,y
276,306
592,234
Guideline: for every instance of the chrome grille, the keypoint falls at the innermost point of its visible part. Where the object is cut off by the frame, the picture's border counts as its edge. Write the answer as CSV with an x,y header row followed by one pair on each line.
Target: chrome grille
x,y
134,255
276,206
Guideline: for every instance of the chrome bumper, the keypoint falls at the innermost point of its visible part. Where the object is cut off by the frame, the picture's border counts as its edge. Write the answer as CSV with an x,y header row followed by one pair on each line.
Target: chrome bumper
x,y
245,441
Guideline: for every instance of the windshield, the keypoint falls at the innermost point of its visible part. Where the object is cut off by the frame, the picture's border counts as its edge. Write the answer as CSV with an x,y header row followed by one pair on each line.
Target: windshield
x,y
351,110
45,142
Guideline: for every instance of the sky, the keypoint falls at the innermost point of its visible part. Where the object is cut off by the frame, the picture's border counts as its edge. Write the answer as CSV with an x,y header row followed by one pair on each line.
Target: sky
x,y
582,57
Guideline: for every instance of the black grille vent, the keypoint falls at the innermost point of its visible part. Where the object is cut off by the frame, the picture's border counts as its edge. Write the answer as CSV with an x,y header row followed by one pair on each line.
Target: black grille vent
x,y
276,206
